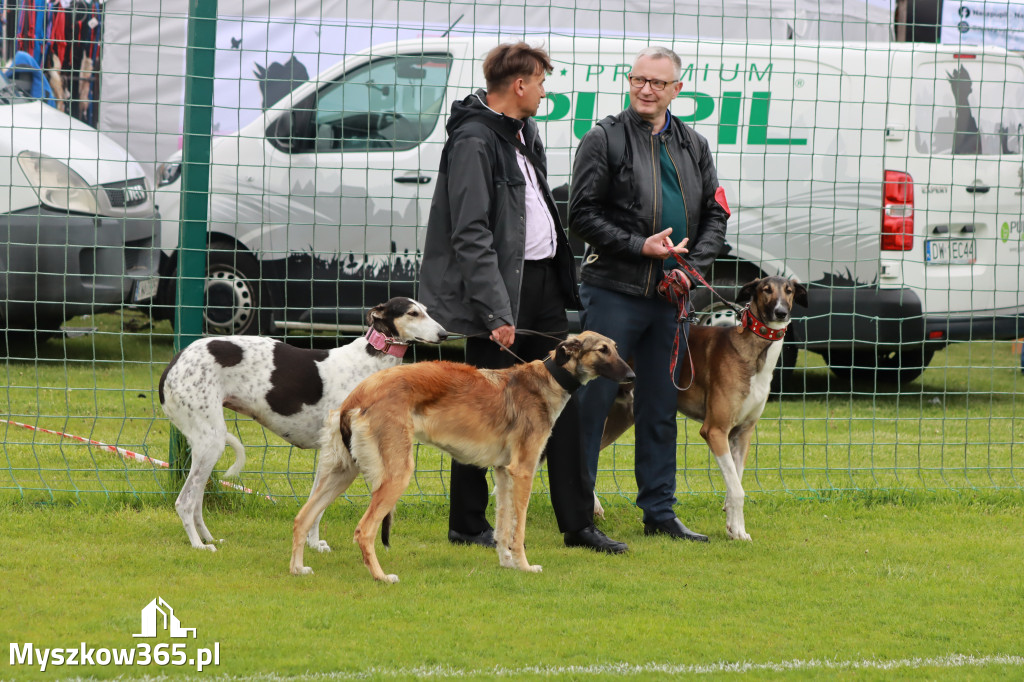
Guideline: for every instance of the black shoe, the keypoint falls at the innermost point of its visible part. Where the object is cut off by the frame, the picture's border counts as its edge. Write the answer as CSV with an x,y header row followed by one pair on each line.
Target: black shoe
x,y
592,538
485,539
675,529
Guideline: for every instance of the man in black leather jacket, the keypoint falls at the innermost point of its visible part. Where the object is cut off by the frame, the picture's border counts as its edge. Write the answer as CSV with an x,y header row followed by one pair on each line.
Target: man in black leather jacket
x,y
496,258
659,198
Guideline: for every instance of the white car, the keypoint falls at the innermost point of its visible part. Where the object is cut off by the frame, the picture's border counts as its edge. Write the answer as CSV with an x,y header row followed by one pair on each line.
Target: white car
x,y
78,227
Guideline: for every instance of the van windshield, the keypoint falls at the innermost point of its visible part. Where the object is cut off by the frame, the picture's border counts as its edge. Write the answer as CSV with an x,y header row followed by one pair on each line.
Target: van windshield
x,y
969,107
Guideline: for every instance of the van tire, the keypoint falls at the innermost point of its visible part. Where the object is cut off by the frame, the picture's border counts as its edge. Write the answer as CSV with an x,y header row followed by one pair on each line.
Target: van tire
x,y
235,301
889,369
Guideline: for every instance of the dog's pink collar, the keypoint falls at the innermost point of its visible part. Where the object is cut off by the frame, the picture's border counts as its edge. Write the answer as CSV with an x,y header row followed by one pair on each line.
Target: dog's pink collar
x,y
748,321
385,344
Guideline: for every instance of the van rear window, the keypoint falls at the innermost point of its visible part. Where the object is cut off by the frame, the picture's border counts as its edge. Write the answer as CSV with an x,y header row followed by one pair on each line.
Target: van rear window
x,y
969,108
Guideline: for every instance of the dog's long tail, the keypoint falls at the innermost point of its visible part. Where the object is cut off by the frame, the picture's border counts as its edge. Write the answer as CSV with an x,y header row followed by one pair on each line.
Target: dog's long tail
x,y
385,528
239,449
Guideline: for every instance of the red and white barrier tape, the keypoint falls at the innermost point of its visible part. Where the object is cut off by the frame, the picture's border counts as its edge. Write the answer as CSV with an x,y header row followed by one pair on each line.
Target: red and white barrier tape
x,y
127,454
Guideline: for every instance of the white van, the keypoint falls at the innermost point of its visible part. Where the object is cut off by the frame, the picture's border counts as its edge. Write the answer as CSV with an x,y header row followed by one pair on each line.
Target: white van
x,y
78,227
888,177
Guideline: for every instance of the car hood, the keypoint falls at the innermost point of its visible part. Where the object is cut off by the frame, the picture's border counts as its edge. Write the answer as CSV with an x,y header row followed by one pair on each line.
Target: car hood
x,y
38,127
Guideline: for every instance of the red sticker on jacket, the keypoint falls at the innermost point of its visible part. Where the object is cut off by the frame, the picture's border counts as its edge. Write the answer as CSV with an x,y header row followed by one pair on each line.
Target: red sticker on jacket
x,y
720,198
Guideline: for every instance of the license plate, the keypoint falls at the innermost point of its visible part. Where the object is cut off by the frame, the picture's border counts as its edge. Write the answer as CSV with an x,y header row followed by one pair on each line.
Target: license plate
x,y
145,289
950,251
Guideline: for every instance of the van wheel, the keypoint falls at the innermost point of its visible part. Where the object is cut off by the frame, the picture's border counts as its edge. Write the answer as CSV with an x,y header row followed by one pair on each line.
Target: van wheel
x,y
235,300
886,367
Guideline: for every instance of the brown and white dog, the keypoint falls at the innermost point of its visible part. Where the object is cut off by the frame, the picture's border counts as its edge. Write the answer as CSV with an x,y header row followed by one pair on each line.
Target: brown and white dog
x,y
732,374
498,418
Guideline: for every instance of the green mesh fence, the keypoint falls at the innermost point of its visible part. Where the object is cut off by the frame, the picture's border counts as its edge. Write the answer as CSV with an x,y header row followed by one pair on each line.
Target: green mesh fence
x,y
268,169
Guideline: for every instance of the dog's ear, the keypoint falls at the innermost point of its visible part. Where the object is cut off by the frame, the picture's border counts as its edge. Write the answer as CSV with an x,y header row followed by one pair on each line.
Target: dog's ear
x,y
571,347
747,292
376,313
799,294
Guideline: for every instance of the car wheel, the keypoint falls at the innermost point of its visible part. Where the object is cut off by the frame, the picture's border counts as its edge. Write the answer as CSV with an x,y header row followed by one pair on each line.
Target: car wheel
x,y
889,368
235,300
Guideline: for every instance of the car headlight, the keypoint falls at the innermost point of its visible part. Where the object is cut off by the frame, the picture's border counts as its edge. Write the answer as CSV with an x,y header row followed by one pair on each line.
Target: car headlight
x,y
167,173
57,185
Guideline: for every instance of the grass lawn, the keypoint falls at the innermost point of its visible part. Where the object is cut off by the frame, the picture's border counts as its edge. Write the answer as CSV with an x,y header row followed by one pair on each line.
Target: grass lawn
x,y
914,581
887,534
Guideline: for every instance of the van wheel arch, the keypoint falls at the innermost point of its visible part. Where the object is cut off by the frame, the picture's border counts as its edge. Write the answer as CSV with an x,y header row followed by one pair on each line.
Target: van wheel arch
x,y
237,300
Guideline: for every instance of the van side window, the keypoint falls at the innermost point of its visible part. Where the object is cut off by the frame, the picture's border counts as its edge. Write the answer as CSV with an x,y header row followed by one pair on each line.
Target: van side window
x,y
390,104
969,108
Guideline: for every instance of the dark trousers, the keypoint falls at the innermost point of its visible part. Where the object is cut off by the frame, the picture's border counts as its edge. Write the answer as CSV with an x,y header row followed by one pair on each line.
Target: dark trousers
x,y
643,329
541,309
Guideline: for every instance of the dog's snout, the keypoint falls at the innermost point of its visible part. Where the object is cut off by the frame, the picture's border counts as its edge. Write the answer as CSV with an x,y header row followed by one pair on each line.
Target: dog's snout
x,y
630,376
442,335
781,312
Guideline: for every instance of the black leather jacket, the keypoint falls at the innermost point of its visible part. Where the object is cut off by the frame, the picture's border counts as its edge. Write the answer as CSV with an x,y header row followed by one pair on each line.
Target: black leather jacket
x,y
615,209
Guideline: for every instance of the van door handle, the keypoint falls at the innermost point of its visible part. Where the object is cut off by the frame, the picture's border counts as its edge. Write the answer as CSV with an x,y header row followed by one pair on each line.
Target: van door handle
x,y
978,189
413,179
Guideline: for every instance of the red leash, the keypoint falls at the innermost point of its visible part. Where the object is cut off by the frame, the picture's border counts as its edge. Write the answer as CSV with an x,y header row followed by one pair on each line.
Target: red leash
x,y
676,290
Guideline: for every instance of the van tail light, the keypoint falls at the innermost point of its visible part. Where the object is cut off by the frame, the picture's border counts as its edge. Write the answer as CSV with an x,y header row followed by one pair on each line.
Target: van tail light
x,y
898,212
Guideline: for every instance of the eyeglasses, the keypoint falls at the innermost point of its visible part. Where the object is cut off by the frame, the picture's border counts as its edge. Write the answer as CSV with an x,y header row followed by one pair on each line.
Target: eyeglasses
x,y
639,82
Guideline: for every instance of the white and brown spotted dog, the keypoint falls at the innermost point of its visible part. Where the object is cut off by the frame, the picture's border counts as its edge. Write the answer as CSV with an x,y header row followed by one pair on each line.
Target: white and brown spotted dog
x,y
286,389
500,418
732,375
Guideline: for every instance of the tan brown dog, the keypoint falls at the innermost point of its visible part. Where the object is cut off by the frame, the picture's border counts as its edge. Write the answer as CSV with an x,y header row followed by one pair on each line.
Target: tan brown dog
x,y
500,418
732,374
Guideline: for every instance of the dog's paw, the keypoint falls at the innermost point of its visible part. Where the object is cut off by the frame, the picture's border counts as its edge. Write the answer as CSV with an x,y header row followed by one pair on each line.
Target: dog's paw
x,y
390,578
598,509
505,559
208,548
319,545
737,534
302,570
533,568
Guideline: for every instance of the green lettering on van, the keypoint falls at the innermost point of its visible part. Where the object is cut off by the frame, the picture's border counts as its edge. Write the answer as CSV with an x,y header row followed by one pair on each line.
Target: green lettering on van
x,y
758,133
729,117
593,70
584,118
688,73
703,106
621,70
767,73
1004,233
560,105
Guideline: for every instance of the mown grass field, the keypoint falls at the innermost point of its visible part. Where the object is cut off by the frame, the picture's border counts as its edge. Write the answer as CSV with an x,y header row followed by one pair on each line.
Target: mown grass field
x,y
873,587
887,527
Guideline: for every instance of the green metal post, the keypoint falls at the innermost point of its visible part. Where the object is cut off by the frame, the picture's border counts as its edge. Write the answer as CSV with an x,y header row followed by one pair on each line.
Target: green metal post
x,y
195,187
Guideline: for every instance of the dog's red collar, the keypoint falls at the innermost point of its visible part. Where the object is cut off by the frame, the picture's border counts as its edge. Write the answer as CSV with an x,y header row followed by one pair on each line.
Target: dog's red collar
x,y
748,321
384,344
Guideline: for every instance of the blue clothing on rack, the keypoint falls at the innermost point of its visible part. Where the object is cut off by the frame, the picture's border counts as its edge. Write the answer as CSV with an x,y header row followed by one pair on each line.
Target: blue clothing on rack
x,y
26,63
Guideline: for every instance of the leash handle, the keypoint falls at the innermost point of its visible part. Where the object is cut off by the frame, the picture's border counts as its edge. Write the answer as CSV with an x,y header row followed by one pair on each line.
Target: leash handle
x,y
692,271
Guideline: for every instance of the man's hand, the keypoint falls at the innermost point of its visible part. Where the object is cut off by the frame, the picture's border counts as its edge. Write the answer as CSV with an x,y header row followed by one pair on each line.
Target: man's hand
x,y
504,335
659,246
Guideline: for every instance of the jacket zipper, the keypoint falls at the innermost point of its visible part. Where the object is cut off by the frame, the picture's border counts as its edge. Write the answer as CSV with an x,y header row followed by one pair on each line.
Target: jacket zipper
x,y
654,221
